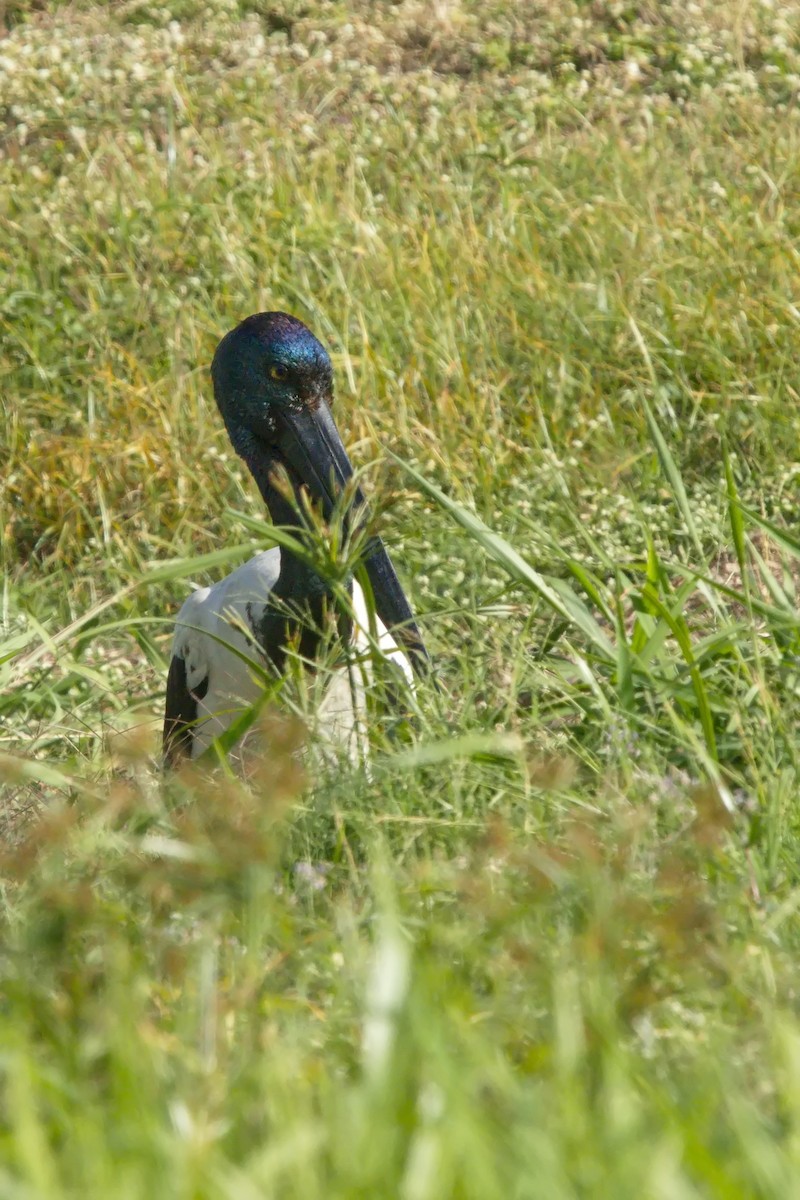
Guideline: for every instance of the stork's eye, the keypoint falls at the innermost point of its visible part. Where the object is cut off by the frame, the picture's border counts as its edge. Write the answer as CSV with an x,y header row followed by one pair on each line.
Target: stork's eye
x,y
278,372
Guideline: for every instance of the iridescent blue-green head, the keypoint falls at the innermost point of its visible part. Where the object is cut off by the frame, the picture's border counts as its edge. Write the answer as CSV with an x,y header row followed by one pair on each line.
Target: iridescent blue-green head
x,y
273,383
268,365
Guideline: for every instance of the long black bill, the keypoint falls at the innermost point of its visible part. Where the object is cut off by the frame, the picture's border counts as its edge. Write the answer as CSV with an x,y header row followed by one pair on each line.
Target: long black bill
x,y
310,443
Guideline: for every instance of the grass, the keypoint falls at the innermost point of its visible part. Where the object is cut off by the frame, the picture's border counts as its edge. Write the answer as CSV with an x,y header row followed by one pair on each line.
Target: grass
x,y
547,945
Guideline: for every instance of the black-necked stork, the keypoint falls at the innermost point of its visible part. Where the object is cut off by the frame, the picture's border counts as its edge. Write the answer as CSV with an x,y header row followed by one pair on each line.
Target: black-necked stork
x,y
273,383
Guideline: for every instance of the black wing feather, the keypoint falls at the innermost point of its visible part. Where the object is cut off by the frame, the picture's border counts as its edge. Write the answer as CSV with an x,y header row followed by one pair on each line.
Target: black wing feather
x,y
180,714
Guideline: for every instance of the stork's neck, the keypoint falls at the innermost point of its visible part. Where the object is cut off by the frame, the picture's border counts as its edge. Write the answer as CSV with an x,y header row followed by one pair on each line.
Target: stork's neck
x,y
301,596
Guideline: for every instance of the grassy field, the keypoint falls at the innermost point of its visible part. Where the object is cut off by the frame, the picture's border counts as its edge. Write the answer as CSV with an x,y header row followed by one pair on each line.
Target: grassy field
x,y
548,946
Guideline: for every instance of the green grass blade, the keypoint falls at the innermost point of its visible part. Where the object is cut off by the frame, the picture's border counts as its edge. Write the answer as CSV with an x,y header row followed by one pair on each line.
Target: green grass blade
x,y
680,632
672,473
555,592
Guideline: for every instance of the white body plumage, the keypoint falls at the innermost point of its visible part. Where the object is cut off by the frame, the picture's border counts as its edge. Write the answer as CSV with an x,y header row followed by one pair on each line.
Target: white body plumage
x,y
216,621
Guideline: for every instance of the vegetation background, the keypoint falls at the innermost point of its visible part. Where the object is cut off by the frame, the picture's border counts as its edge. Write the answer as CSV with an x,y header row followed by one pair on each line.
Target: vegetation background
x,y
547,946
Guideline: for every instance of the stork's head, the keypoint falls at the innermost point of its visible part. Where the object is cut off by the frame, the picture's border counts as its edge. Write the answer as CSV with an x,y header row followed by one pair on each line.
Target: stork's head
x,y
267,367
273,383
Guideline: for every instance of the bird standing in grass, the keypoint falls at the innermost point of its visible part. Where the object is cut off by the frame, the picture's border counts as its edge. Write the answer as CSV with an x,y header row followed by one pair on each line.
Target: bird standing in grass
x,y
273,383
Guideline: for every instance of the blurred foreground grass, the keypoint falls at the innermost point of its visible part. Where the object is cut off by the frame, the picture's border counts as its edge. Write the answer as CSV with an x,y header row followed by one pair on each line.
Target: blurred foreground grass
x,y
548,948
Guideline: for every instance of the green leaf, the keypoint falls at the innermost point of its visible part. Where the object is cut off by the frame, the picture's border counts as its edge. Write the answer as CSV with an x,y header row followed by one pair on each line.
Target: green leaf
x,y
680,632
735,517
670,469
470,745
555,592
185,568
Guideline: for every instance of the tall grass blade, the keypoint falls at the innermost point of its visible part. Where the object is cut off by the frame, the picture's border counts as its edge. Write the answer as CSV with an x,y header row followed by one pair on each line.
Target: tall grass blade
x,y
555,592
672,473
